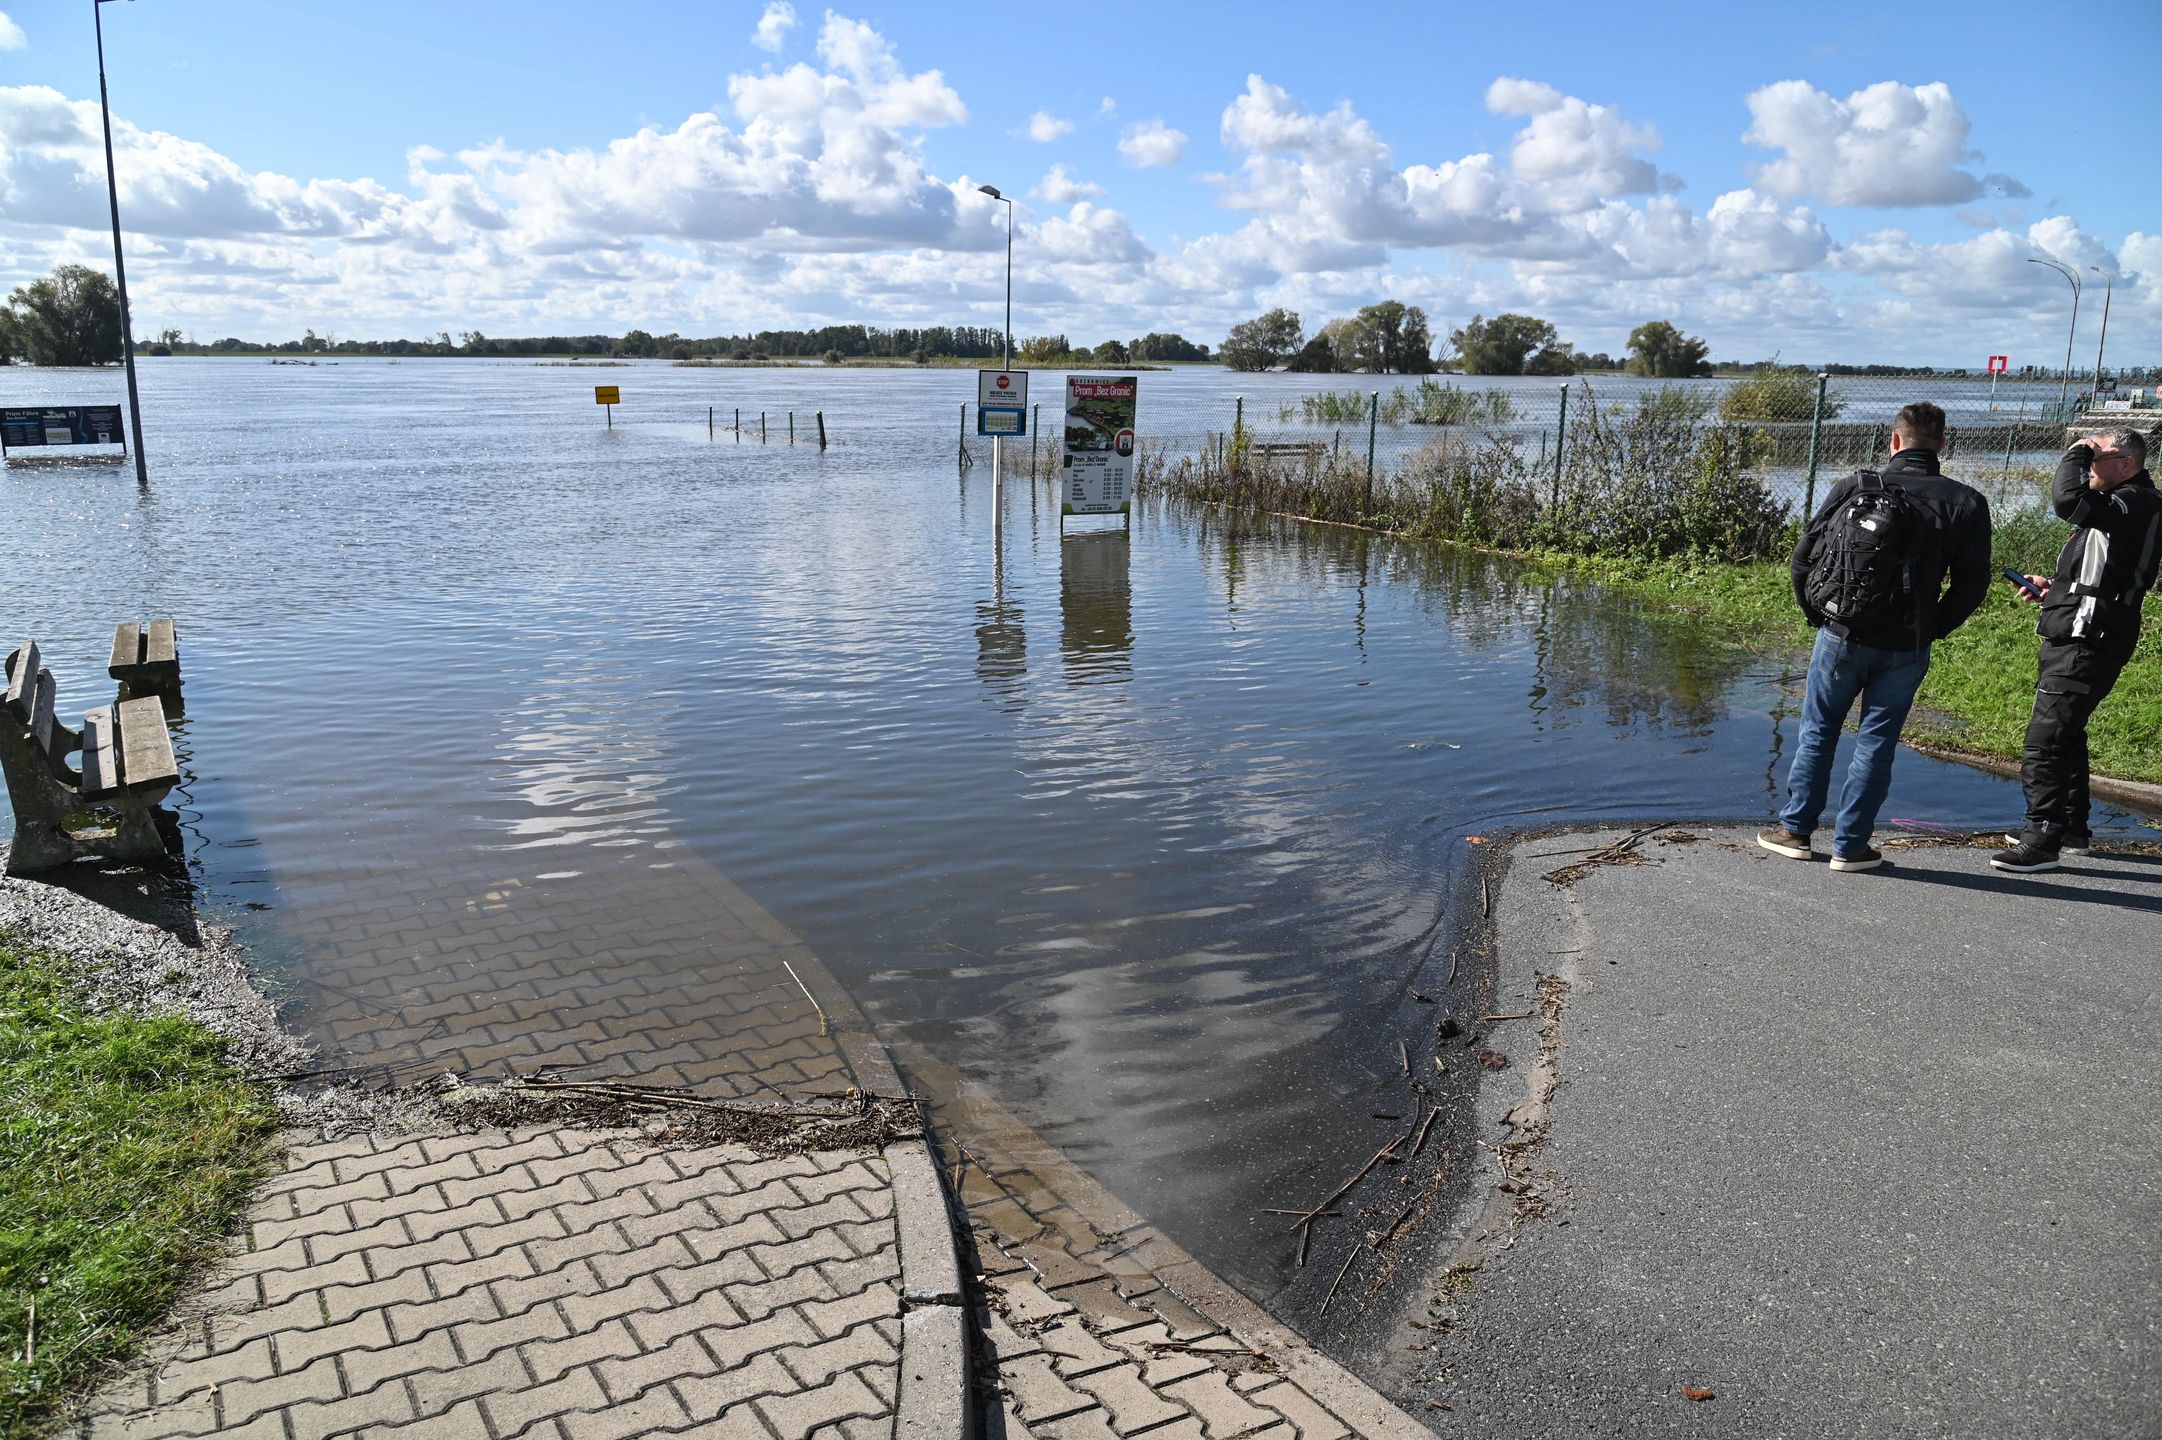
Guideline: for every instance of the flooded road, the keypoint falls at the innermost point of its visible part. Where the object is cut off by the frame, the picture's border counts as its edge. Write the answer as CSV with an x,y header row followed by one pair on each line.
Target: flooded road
x,y
1149,834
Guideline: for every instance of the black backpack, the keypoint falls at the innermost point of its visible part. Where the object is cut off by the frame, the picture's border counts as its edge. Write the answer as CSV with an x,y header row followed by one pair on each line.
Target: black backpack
x,y
1862,577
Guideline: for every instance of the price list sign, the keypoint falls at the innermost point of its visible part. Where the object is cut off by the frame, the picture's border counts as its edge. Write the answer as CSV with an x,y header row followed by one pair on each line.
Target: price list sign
x,y
1098,470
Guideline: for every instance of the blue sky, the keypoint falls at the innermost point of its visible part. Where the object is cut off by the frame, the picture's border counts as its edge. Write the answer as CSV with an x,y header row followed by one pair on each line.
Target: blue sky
x,y
1833,181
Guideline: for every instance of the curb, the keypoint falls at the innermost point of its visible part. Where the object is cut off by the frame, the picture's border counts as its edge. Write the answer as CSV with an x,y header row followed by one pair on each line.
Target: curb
x,y
934,1396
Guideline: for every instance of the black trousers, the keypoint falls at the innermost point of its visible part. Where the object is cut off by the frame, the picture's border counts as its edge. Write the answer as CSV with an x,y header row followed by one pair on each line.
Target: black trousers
x,y
2074,677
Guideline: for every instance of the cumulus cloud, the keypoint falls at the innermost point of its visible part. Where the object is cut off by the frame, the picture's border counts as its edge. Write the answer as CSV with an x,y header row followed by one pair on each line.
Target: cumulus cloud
x,y
1579,153
11,34
1152,144
773,26
1044,127
1061,188
1887,145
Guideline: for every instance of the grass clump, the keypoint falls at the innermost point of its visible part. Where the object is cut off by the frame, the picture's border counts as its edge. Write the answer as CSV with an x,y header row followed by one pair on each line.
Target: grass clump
x,y
127,1146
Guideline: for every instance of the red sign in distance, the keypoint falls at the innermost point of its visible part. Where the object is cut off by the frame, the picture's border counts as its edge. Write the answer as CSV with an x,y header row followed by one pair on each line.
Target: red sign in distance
x,y
1999,364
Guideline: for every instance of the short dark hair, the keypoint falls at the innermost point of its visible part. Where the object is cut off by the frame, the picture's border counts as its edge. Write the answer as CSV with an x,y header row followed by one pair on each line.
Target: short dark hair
x,y
2131,442
1923,425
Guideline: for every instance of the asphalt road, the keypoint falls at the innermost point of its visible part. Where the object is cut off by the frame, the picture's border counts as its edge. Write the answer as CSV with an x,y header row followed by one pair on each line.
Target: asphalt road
x,y
1873,1154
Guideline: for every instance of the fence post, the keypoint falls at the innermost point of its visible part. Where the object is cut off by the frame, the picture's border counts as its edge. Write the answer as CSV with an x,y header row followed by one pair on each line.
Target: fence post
x,y
2013,433
1816,429
821,432
963,433
1561,432
761,427
791,427
709,422
1035,423
1373,428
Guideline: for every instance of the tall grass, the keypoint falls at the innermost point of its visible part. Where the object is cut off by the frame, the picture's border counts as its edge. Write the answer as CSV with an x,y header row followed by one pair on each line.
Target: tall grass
x,y
1432,403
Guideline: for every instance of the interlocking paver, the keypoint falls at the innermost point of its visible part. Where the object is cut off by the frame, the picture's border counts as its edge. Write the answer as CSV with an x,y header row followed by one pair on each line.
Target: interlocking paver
x,y
804,1411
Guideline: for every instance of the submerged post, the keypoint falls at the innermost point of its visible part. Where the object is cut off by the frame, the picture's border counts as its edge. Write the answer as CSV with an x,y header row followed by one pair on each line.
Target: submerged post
x,y
1034,420
821,432
1816,430
791,427
709,422
761,427
1373,429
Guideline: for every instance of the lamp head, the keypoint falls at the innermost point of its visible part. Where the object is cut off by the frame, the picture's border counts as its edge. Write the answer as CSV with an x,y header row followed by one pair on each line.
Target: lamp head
x,y
992,191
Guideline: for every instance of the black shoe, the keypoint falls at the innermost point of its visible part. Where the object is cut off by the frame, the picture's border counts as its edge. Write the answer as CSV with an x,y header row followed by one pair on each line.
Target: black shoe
x,y
1783,841
2025,858
2069,845
1868,860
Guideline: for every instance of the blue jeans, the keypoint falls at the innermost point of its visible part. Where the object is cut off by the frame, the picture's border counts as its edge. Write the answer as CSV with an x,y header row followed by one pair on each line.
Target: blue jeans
x,y
1840,670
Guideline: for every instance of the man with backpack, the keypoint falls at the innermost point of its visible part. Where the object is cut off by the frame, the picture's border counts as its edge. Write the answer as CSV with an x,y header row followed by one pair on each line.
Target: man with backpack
x,y
1895,561
2089,627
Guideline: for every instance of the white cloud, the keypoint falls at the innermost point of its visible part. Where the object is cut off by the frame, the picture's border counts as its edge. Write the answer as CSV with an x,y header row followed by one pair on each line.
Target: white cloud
x,y
1044,127
11,34
1152,144
1578,153
1106,108
773,26
1885,145
1061,188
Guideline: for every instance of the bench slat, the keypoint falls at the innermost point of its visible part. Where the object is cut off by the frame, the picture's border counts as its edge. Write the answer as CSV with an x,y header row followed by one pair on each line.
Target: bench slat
x,y
22,678
101,759
158,649
127,648
41,712
146,750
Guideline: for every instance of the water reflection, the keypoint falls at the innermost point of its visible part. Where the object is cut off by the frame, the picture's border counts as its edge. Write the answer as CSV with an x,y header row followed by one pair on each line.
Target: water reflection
x,y
1096,606
1001,632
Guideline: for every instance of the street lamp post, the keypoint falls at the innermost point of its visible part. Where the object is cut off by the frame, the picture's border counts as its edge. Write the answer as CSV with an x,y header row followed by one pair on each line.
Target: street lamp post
x,y
120,268
998,442
2109,287
2072,279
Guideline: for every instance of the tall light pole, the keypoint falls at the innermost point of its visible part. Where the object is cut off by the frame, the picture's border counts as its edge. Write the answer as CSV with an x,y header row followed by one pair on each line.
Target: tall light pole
x,y
2109,288
2063,411
1005,361
120,268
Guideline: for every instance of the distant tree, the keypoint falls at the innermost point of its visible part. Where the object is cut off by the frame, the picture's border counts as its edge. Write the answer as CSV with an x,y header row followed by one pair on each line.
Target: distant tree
x,y
920,355
1390,338
832,357
7,336
1113,352
637,344
1044,349
1597,360
1154,346
1776,395
1316,357
1512,345
1662,352
1263,342
71,317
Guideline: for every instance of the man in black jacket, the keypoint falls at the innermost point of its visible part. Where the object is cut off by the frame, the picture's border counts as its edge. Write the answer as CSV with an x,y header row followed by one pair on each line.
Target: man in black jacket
x,y
1876,647
2089,627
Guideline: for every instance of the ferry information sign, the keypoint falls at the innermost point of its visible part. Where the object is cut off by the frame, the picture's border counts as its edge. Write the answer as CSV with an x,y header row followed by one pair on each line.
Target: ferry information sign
x,y
60,425
1098,468
1002,402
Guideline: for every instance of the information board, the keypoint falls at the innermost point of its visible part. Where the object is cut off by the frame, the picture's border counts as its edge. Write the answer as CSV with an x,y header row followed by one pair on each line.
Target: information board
x,y
23,426
1002,402
1098,469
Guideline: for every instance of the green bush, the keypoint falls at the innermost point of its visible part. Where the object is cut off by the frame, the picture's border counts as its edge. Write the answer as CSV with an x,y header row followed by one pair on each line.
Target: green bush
x,y
1771,395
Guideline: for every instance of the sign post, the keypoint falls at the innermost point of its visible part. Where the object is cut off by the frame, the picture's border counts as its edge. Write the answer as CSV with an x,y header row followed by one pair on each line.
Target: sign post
x,y
1001,410
1997,365
608,395
1097,467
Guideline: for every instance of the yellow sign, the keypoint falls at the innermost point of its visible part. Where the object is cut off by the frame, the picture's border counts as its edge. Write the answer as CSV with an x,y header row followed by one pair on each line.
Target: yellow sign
x,y
606,395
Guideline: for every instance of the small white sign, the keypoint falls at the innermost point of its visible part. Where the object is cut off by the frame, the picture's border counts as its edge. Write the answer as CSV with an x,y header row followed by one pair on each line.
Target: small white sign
x,y
1005,388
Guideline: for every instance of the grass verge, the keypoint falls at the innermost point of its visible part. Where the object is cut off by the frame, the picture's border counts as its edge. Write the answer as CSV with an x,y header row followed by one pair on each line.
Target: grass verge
x,y
127,1146
1980,688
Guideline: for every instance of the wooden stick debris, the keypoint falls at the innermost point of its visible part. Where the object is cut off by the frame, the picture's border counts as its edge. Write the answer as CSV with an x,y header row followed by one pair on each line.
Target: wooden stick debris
x,y
825,1027
1420,1143
1486,897
1345,1188
1272,1210
1331,1296
1493,1019
1377,1241
1403,1059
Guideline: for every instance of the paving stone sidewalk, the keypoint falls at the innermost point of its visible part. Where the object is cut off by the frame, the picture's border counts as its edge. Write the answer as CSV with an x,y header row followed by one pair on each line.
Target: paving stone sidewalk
x,y
539,1283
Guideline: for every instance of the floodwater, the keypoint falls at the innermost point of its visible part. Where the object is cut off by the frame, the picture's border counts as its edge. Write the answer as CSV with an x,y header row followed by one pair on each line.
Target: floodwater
x,y
1147,833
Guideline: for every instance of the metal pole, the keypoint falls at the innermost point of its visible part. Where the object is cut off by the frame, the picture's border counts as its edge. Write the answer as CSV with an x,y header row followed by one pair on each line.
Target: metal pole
x,y
761,427
2064,413
2109,290
739,425
1373,424
1816,429
791,427
1238,429
821,432
709,422
1561,430
1035,420
2013,434
120,267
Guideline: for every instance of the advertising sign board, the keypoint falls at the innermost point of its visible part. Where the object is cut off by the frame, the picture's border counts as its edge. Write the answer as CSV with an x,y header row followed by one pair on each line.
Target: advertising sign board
x,y
1098,469
1002,402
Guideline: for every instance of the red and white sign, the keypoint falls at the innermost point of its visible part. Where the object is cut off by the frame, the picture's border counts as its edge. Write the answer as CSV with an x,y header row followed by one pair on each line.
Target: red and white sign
x,y
1002,387
1999,364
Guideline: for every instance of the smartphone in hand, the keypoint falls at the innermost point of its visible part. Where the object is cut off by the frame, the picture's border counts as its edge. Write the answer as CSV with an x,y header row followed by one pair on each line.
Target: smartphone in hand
x,y
2021,581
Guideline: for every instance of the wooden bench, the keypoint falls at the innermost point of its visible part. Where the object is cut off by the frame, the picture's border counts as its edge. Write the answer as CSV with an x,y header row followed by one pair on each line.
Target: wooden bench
x,y
110,806
146,659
